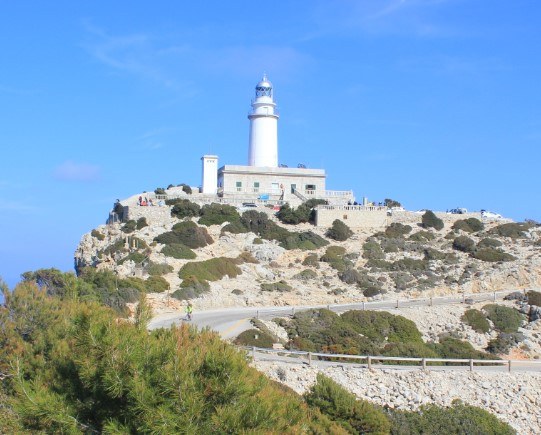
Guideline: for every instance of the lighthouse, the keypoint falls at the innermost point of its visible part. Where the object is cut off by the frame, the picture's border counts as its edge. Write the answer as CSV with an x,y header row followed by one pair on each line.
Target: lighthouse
x,y
263,142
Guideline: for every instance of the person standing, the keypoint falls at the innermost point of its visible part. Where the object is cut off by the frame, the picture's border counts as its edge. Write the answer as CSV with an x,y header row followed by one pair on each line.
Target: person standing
x,y
189,311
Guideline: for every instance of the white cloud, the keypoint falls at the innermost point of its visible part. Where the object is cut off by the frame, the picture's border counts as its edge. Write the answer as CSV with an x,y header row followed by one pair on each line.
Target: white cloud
x,y
72,171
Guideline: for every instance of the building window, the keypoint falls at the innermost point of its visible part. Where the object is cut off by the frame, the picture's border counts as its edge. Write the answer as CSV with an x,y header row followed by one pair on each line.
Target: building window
x,y
256,186
310,189
345,216
239,186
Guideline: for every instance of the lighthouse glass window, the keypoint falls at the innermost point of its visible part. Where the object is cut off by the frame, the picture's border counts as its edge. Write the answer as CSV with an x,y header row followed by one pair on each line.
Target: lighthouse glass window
x,y
263,91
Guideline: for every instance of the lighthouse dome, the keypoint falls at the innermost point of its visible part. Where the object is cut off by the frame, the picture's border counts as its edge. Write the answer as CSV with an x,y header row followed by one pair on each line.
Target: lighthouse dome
x,y
264,87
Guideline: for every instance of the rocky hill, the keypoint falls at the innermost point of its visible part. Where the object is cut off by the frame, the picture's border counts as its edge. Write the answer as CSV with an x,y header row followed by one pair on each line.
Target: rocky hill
x,y
262,261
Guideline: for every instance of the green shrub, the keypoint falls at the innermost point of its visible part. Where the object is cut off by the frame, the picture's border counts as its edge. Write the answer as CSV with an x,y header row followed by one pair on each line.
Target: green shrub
x,y
156,284
190,288
492,255
96,234
217,214
235,227
280,286
489,243
305,275
178,251
430,220
392,245
503,343
372,251
210,270
470,225
186,189
255,337
187,233
409,265
237,292
141,223
245,257
514,230
477,320
339,231
452,348
311,260
391,203
534,298
257,241
505,319
464,244
422,236
183,208
355,416
372,291
305,241
303,213
434,254
396,230
459,418
158,269
335,256
129,227
408,350
160,191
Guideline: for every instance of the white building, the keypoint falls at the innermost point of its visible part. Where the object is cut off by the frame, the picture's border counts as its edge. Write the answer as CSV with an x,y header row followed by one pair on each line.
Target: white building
x,y
263,179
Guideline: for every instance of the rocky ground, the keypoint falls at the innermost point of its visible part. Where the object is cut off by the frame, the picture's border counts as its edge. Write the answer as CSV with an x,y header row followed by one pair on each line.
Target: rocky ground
x,y
512,397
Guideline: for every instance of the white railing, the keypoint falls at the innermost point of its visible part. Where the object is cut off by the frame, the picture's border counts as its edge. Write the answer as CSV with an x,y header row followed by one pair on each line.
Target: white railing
x,y
332,193
369,360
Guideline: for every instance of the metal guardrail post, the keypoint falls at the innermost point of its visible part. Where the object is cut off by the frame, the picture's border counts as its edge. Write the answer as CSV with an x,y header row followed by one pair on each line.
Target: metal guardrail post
x,y
253,353
494,299
397,303
431,303
424,363
309,358
293,311
364,307
509,366
463,298
471,365
257,314
328,307
369,361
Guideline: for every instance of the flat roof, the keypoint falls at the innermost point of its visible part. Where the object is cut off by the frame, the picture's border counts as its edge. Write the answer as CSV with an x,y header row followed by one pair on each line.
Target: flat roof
x,y
267,170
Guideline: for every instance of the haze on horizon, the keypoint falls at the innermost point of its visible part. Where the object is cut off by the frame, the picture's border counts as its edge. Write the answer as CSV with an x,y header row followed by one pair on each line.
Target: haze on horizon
x,y
434,103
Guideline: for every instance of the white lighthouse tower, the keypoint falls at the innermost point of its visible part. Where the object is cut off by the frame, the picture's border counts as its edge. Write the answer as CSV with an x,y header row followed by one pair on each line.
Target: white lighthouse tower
x,y
263,147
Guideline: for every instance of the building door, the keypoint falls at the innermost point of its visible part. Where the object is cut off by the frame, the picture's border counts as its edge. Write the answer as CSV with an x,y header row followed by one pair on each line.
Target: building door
x,y
293,188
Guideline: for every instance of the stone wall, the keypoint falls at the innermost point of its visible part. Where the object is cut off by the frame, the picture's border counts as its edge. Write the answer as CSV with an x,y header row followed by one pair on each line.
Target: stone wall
x,y
352,216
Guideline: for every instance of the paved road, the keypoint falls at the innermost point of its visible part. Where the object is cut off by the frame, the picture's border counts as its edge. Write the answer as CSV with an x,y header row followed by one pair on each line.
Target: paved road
x,y
230,322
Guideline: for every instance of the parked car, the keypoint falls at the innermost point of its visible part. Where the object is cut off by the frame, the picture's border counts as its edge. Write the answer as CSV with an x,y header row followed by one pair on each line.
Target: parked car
x,y
485,214
458,210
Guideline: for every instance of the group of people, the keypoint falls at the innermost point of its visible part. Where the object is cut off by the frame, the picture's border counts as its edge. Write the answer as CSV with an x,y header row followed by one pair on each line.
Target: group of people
x,y
145,202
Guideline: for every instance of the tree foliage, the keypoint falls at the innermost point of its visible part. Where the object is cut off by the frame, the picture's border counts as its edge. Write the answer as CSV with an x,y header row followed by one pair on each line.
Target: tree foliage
x,y
430,220
339,231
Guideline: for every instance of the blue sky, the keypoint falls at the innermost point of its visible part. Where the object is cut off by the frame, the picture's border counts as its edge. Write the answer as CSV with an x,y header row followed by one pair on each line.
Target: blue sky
x,y
432,102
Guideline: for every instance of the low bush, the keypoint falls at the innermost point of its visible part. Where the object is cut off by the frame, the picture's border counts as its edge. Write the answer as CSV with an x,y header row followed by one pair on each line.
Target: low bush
x,y
422,236
492,255
245,257
505,319
280,286
311,260
392,245
355,416
477,320
129,227
433,254
396,230
141,223
305,275
464,244
449,347
335,257
372,251
160,191
156,284
430,220
158,269
305,241
96,234
183,208
513,230
217,214
391,203
186,189
503,343
190,288
409,265
470,225
136,257
178,251
402,280
187,233
459,418
339,231
372,291
303,213
534,298
258,241
254,337
210,270
487,242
